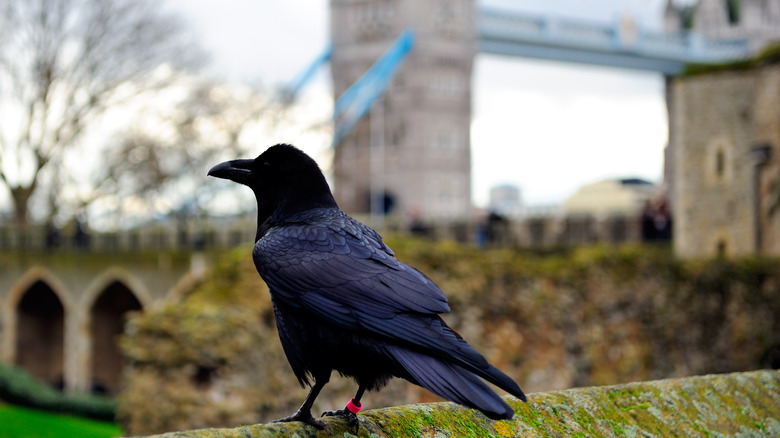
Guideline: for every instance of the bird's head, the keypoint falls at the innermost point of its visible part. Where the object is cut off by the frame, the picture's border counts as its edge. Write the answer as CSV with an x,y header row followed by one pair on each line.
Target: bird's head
x,y
284,179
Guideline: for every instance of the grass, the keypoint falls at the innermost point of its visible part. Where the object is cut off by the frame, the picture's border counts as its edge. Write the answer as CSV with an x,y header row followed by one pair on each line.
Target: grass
x,y
18,422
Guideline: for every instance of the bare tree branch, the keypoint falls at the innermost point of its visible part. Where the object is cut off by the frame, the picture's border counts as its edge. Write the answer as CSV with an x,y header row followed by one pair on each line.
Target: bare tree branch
x,y
205,125
63,64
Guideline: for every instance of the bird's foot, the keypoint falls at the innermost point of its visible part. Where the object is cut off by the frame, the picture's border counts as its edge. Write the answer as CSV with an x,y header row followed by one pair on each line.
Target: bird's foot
x,y
351,417
304,417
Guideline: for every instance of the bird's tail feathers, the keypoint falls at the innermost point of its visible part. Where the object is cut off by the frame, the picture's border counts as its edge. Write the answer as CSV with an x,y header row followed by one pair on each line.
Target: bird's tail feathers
x,y
452,382
469,358
498,378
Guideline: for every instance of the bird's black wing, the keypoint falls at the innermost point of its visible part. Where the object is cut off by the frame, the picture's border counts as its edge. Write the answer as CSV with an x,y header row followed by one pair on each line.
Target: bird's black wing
x,y
339,270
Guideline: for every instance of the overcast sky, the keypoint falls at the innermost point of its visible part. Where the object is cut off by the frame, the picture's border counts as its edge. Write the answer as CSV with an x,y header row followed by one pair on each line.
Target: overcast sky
x,y
547,127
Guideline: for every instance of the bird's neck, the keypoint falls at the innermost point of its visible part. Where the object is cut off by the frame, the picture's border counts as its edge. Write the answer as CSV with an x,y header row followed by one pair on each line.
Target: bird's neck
x,y
262,223
273,214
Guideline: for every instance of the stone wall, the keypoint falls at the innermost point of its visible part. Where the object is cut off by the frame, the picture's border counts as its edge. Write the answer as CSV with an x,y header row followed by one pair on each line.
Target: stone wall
x,y
740,404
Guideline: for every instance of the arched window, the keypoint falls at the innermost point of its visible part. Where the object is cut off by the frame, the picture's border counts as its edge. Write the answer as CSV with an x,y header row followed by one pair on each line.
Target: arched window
x,y
720,163
107,321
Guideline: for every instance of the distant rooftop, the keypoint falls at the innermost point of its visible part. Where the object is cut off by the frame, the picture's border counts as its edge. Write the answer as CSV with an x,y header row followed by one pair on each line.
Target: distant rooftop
x,y
611,196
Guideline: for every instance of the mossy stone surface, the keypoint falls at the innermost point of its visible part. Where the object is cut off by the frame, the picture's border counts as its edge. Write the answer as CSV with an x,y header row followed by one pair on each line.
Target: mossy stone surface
x,y
734,405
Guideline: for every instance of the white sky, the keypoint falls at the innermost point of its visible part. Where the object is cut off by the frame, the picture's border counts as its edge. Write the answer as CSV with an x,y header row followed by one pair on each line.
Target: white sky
x,y
548,127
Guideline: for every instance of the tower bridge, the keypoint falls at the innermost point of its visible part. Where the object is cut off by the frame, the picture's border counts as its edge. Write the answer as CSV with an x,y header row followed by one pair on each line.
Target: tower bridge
x,y
408,158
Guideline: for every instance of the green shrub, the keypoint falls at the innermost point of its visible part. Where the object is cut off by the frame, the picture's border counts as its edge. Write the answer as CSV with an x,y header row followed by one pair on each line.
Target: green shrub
x,y
19,388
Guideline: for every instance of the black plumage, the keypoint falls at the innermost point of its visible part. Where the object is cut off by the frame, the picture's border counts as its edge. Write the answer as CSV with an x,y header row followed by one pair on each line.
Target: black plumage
x,y
342,300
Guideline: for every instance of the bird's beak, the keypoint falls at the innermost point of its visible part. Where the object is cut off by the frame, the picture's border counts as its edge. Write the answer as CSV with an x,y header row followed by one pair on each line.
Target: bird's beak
x,y
235,170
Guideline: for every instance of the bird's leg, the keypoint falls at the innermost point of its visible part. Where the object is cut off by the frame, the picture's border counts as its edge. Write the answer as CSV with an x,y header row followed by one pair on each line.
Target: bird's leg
x,y
304,412
351,410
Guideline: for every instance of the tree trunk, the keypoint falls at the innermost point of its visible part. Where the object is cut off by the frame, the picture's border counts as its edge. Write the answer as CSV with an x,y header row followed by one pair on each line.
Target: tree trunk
x,y
21,198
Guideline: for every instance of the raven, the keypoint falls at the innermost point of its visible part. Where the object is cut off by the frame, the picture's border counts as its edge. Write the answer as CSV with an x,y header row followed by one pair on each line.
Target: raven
x,y
342,300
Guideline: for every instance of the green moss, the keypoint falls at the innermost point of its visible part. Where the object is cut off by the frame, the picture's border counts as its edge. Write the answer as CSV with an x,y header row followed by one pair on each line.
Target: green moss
x,y
639,406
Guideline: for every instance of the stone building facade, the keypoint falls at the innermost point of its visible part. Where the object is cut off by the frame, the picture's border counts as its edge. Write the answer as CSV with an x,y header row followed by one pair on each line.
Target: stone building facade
x,y
421,163
725,133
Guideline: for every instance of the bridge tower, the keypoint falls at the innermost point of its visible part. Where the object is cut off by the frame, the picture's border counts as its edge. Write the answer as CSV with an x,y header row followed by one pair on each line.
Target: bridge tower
x,y
419,165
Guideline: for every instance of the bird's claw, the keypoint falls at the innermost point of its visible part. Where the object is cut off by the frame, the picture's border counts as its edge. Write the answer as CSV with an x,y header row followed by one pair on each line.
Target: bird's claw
x,y
351,417
304,417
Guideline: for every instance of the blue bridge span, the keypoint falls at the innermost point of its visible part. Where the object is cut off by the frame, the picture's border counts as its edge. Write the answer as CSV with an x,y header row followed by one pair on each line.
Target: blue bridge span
x,y
619,44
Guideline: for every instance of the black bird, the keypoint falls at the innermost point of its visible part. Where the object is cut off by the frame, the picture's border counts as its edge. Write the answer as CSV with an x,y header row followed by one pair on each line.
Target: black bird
x,y
342,300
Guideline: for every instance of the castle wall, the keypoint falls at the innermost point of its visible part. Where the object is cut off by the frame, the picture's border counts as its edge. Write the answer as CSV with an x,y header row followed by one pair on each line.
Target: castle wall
x,y
767,124
722,192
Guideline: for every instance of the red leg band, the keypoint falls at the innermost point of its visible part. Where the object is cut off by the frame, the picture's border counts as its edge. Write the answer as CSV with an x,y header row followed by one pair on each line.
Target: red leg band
x,y
352,407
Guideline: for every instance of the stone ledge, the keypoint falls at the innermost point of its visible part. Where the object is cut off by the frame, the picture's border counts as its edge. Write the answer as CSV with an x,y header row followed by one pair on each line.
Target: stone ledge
x,y
739,404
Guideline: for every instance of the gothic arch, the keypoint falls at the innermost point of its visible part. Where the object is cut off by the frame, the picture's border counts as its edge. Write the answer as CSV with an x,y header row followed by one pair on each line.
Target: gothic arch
x,y
112,275
32,275
35,311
